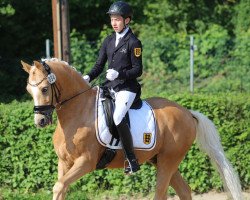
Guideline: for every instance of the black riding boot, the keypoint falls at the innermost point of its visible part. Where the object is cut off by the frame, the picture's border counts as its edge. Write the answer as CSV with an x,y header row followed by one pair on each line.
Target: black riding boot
x,y
127,144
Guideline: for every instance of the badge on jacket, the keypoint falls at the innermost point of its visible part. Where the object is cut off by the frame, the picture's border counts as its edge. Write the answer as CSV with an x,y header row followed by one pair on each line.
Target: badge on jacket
x,y
137,52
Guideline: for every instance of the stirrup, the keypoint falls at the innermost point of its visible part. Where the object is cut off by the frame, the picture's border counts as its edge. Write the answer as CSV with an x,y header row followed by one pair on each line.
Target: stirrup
x,y
133,166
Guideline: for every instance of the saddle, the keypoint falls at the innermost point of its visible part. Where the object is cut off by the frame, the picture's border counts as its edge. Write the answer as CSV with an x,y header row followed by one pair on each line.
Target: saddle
x,y
108,103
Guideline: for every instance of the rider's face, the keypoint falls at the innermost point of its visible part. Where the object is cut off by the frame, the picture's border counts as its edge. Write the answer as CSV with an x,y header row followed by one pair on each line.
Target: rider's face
x,y
117,22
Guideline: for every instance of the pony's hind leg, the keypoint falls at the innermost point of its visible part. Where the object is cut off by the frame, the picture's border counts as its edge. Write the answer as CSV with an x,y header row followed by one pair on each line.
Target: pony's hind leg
x,y
180,186
165,169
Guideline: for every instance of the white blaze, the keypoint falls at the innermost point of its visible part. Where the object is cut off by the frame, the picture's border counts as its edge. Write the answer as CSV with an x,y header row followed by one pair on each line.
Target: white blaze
x,y
35,92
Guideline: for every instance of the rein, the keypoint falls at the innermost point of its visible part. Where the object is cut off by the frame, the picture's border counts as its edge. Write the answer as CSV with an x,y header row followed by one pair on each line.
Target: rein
x,y
66,100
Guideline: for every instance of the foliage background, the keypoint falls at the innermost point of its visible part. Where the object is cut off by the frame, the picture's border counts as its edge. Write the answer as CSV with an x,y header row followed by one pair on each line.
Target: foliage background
x,y
221,30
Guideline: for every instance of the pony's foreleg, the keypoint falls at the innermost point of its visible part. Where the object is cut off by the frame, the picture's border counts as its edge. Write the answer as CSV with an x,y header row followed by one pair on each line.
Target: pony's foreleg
x,y
180,186
63,194
81,166
62,169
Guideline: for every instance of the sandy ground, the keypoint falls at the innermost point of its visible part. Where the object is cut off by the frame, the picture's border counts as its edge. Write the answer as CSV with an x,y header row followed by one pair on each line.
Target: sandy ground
x,y
207,196
214,196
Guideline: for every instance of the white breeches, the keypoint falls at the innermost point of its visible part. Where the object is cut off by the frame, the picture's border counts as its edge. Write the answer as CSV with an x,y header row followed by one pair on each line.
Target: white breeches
x,y
123,101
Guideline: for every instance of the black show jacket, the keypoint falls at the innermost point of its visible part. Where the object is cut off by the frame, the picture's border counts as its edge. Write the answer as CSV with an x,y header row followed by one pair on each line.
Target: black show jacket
x,y
126,58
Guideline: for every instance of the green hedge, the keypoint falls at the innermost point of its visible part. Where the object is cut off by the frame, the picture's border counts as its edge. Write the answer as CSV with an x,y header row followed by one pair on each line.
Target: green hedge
x,y
27,158
28,161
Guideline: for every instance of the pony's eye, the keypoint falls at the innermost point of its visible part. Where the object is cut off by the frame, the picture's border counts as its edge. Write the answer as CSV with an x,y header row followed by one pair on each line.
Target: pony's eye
x,y
44,90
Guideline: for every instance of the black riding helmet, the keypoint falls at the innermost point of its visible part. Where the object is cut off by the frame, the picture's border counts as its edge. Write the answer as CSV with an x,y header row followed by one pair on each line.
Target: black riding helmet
x,y
120,8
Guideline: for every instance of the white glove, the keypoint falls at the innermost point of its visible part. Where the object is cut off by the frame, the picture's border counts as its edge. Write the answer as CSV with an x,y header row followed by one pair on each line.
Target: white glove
x,y
86,78
112,74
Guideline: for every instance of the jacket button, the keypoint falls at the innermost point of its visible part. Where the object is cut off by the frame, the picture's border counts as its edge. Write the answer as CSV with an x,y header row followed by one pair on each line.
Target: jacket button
x,y
113,60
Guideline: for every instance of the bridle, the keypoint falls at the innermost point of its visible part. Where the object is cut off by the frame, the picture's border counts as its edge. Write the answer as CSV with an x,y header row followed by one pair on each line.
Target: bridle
x,y
47,110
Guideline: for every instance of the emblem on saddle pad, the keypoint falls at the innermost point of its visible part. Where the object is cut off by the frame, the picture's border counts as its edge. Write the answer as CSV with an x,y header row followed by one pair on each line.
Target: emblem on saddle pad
x,y
147,138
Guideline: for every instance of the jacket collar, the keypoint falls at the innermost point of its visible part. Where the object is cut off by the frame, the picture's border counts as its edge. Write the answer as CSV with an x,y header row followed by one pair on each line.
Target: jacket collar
x,y
123,33
123,40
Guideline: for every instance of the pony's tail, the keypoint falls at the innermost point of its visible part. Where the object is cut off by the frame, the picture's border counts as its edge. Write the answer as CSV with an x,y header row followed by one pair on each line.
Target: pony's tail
x,y
209,141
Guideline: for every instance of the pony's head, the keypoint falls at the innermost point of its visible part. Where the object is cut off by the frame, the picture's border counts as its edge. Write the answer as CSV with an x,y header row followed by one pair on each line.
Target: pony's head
x,y
40,86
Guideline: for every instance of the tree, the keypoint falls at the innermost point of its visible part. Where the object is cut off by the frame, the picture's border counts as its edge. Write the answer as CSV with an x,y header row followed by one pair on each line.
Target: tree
x,y
25,24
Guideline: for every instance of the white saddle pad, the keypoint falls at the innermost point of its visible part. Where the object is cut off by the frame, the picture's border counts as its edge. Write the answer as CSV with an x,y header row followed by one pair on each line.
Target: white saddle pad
x,y
142,126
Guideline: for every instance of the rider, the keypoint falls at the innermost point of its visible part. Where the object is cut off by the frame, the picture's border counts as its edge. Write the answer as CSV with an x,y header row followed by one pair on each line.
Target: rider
x,y
123,51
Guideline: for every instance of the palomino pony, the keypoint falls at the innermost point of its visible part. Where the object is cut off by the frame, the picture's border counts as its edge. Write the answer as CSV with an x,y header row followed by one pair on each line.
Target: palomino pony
x,y
57,85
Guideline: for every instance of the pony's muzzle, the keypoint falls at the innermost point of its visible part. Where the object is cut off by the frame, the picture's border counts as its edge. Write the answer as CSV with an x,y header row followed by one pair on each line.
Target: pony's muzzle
x,y
42,121
43,115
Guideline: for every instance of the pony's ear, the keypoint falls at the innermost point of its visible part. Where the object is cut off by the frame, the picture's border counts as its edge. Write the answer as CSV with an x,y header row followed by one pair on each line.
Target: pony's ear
x,y
38,65
26,66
